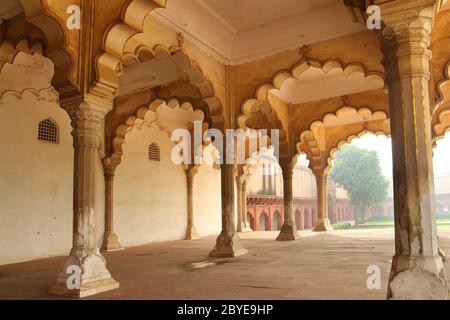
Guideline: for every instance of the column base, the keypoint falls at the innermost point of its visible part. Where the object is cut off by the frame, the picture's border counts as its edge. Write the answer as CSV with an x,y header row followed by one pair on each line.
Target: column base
x,y
288,233
191,233
87,289
442,255
82,277
111,242
228,246
417,278
323,225
246,229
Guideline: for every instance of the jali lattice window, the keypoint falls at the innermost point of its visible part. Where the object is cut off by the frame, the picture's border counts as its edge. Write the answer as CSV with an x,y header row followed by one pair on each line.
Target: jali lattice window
x,y
153,152
48,131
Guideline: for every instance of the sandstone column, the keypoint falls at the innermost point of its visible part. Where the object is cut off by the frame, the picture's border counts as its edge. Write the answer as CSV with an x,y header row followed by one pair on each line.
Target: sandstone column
x,y
85,271
417,269
245,222
288,230
239,204
191,232
322,222
228,243
110,239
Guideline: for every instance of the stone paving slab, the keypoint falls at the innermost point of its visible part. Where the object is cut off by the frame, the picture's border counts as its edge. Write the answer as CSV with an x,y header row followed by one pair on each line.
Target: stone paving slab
x,y
318,266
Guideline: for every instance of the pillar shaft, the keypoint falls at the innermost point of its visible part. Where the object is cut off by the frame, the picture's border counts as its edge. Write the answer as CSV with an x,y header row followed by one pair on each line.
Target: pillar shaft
x,y
110,239
191,232
417,269
288,230
245,222
228,242
239,204
322,222
85,270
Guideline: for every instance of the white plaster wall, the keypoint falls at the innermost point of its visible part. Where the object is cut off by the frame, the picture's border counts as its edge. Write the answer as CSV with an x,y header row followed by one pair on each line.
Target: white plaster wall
x,y
207,201
36,181
150,197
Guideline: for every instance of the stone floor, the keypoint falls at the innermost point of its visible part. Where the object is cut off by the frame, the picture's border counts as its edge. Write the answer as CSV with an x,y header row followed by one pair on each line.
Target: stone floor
x,y
319,266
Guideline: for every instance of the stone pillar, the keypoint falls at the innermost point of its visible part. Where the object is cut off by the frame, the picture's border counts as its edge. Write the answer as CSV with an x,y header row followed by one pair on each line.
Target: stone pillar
x,y
239,204
191,232
322,222
417,269
110,239
245,223
228,243
85,270
288,230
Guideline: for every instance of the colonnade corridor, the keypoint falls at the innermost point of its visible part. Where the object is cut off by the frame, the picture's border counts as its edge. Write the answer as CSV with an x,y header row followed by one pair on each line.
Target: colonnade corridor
x,y
181,149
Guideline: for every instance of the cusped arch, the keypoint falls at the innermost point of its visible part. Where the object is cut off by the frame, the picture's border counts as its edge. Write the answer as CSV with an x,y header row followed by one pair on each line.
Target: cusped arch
x,y
48,36
320,155
126,60
441,110
348,140
145,115
260,107
32,71
323,70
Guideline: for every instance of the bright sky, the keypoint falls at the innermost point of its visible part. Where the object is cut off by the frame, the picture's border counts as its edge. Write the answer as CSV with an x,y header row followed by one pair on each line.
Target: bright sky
x,y
382,145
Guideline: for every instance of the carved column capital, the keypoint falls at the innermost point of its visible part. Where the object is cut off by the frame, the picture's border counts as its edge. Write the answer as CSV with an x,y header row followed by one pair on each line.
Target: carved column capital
x,y
287,168
109,168
405,38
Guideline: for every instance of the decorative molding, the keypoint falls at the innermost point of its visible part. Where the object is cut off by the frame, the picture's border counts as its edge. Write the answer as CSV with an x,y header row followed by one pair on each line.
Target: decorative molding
x,y
314,153
42,95
144,116
122,58
349,140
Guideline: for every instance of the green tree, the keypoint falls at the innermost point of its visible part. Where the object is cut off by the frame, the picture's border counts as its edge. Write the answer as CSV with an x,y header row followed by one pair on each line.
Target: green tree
x,y
358,171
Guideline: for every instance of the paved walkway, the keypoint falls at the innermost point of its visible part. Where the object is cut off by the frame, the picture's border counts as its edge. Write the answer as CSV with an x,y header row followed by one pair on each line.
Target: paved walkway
x,y
319,266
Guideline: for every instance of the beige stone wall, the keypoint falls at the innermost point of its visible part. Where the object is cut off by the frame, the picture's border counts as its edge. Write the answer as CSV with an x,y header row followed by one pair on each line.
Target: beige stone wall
x,y
36,181
150,197
207,201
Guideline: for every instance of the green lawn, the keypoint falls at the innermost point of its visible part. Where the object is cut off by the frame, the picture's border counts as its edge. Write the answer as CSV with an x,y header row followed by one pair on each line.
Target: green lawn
x,y
385,224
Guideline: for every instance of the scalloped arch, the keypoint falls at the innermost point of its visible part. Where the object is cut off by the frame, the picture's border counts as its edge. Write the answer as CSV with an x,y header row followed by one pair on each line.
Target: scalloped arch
x,y
145,115
441,110
123,54
308,135
349,140
328,66
30,66
55,43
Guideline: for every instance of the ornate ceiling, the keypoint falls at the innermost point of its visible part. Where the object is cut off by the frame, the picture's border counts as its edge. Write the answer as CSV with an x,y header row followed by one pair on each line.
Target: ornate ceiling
x,y
237,31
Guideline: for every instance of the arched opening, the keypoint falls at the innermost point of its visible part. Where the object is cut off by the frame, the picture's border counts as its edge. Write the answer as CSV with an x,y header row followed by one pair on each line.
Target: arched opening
x,y
353,178
441,168
308,218
276,221
251,220
263,223
299,220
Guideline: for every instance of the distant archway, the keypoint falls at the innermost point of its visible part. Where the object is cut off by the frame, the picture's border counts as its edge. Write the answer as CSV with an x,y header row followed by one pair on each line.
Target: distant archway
x,y
276,221
263,222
